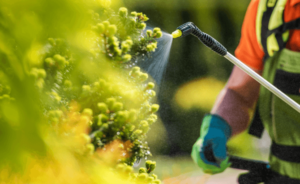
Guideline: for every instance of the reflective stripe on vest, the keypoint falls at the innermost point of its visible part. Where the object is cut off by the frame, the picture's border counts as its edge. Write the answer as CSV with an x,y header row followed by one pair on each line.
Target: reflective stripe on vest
x,y
269,17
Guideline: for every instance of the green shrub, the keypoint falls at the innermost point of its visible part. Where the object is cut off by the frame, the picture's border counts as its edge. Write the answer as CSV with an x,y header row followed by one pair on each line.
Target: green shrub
x,y
78,90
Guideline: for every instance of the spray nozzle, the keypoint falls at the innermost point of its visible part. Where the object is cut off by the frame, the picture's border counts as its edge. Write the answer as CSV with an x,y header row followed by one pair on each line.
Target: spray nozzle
x,y
177,33
184,30
191,28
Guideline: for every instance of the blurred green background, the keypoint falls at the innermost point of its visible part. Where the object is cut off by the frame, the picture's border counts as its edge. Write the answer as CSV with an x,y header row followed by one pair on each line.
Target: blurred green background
x,y
194,74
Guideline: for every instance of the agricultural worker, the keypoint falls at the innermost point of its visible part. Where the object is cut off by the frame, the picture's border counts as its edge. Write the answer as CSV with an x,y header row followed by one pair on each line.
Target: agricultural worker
x,y
270,45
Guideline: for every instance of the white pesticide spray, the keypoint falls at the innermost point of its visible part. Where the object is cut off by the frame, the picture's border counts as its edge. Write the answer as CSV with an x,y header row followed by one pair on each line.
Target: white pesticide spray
x,y
155,65
156,62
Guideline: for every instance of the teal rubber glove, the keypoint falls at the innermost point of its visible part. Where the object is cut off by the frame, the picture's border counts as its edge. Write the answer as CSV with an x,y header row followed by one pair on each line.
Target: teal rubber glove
x,y
214,134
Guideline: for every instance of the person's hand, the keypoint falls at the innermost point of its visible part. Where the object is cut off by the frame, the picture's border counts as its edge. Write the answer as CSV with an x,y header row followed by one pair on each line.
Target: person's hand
x,y
209,151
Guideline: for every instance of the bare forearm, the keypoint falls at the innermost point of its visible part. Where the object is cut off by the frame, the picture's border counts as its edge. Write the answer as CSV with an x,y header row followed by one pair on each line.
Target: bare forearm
x,y
236,100
234,109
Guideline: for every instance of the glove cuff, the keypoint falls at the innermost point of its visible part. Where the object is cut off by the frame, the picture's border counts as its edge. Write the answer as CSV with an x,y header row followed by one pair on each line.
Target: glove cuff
x,y
215,121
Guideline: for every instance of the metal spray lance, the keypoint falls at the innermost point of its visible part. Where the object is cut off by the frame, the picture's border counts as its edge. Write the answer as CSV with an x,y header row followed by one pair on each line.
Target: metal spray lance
x,y
191,28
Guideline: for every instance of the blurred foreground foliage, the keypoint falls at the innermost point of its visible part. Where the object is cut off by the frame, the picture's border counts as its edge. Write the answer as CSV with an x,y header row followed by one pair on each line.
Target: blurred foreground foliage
x,y
73,105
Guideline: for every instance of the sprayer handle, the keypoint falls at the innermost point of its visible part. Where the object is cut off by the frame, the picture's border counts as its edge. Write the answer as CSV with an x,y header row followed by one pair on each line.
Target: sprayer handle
x,y
239,163
207,40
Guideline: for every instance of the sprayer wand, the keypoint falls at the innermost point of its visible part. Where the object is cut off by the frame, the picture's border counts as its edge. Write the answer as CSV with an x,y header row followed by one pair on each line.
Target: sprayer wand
x,y
191,28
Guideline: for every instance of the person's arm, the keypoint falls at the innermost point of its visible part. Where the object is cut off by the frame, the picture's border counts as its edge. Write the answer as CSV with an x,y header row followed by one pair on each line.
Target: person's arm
x,y
229,116
236,100
231,112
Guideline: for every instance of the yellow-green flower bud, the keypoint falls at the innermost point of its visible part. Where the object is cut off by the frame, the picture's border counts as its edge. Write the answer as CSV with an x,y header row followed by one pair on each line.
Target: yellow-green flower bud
x,y
154,45
100,28
132,115
150,166
102,107
87,112
153,116
123,12
132,127
125,47
143,77
51,41
134,175
154,108
150,179
110,102
158,34
152,93
106,24
134,14
128,169
150,85
86,89
53,120
129,42
96,85
151,121
138,74
142,176
56,97
90,148
113,41
155,30
41,73
135,69
136,133
127,57
150,48
154,176
104,126
122,116
84,119
118,51
112,29
149,33
60,60
51,114
148,106
117,107
144,126
139,14
102,118
141,26
157,181
49,61
142,170
145,18
67,83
